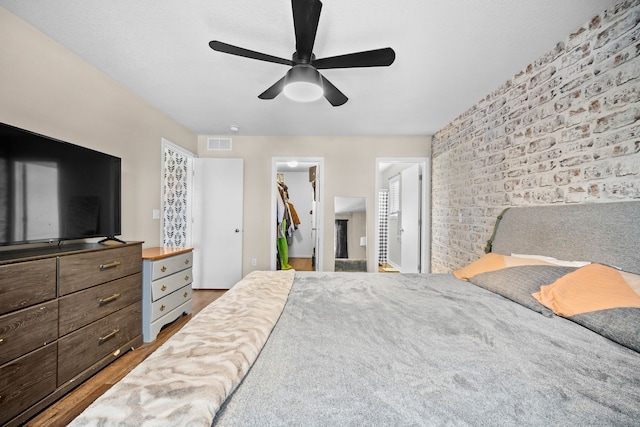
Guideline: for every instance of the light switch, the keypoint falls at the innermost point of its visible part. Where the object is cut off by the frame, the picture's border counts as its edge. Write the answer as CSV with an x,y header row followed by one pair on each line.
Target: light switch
x,y
156,214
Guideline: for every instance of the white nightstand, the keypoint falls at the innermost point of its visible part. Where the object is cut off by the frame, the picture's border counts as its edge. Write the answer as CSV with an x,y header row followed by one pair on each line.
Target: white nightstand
x,y
166,287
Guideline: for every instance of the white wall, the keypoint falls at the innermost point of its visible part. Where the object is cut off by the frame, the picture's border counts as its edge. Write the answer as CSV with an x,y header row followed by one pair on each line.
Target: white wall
x,y
301,196
46,89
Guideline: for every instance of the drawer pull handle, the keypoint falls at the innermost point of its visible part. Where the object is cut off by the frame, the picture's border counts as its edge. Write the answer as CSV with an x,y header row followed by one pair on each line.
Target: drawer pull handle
x,y
108,336
110,265
163,288
186,278
186,294
163,269
107,300
186,261
162,307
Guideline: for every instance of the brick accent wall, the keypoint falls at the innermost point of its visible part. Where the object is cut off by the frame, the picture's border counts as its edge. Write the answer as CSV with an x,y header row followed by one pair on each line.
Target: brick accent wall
x,y
564,130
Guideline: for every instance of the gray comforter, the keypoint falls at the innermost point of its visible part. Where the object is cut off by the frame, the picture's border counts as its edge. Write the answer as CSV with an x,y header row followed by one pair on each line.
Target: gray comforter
x,y
378,349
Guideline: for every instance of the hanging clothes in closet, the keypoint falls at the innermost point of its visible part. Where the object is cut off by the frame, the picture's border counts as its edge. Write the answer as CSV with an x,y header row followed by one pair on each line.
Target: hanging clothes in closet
x,y
288,222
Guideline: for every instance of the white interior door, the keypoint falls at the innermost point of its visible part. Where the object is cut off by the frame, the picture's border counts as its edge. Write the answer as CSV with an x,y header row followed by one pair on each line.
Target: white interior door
x,y
217,227
410,226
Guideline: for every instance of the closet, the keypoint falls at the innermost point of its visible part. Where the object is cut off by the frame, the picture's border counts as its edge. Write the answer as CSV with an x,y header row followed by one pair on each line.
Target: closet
x,y
295,218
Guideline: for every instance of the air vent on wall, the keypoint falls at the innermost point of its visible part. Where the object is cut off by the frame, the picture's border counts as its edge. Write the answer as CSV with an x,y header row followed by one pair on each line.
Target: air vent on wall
x,y
220,144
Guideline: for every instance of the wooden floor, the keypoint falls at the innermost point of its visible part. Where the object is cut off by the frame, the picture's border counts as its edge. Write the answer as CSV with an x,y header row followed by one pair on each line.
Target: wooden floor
x,y
305,264
301,264
70,406
387,268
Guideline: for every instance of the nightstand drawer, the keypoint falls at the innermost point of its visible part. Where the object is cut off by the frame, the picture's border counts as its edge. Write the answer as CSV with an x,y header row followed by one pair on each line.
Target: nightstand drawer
x,y
81,308
163,306
169,284
84,270
169,265
25,330
27,283
80,349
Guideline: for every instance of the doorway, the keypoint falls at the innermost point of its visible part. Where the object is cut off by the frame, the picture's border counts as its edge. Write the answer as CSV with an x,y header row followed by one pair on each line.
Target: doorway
x,y
402,214
302,178
350,234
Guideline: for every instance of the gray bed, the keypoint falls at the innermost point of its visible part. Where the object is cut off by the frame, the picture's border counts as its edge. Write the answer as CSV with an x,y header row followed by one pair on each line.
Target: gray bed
x,y
355,349
432,350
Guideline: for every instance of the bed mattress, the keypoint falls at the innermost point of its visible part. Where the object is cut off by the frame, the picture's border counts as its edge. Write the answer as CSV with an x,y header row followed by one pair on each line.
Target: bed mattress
x,y
361,349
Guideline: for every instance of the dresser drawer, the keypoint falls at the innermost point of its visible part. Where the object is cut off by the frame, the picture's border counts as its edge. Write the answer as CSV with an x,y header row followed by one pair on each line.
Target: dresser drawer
x,y
83,307
166,266
26,380
25,330
165,305
81,271
169,284
79,350
27,283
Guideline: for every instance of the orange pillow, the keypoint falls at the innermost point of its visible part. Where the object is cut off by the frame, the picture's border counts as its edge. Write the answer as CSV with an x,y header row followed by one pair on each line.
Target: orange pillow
x,y
591,288
493,262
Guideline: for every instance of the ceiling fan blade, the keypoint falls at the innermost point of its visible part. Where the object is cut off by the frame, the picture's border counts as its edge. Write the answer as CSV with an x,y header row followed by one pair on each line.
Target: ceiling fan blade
x,y
306,14
332,93
239,51
273,91
371,58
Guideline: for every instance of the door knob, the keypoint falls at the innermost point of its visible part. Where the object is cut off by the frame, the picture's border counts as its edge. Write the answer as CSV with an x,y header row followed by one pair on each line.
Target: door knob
x,y
237,230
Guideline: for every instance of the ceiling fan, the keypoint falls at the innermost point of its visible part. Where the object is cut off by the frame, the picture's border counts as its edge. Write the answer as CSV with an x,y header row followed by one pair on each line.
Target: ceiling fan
x,y
303,82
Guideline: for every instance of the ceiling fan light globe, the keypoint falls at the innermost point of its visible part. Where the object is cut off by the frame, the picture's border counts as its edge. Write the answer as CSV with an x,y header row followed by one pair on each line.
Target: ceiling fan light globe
x,y
303,83
303,91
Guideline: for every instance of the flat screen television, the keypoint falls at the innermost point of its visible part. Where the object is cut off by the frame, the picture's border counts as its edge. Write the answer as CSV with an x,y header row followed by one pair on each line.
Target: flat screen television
x,y
52,190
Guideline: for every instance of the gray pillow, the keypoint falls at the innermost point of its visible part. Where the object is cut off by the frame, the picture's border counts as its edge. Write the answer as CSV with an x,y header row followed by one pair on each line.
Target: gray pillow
x,y
518,283
621,325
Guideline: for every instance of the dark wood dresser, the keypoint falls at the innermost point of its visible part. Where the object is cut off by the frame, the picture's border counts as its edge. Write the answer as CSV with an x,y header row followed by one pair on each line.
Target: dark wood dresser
x,y
65,313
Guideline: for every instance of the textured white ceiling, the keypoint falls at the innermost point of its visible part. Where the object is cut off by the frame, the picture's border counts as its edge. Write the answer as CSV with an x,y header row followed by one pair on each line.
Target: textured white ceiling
x,y
449,55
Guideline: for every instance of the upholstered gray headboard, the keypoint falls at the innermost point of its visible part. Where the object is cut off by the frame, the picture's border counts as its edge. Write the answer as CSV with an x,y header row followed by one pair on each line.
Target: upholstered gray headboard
x,y
607,233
